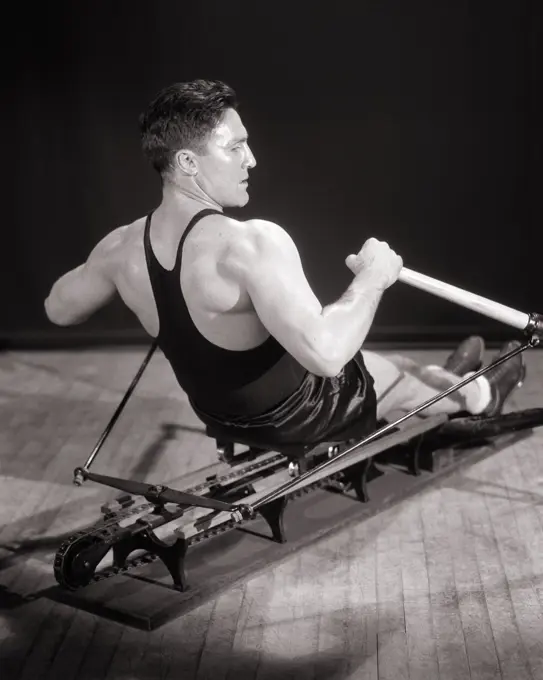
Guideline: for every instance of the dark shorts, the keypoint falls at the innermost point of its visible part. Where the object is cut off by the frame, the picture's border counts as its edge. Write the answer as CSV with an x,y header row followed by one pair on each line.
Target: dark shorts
x,y
321,409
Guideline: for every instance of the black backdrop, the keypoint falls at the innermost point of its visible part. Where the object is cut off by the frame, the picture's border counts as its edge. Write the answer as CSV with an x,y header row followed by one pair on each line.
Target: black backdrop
x,y
415,122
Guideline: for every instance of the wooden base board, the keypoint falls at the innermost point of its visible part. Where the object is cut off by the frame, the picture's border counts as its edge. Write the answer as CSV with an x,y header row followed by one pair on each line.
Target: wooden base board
x,y
145,599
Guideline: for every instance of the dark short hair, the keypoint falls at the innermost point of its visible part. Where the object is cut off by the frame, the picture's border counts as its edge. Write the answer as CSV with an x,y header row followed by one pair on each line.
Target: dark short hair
x,y
182,116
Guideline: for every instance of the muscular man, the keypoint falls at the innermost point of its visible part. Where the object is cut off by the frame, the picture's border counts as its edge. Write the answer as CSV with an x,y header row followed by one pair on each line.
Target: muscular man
x,y
247,338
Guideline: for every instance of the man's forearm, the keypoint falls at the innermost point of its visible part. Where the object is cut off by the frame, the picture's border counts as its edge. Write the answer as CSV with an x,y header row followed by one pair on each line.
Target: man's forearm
x,y
348,320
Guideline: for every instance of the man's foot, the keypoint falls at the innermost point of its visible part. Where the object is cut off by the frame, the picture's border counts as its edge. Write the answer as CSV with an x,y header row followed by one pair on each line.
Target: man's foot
x,y
504,378
468,356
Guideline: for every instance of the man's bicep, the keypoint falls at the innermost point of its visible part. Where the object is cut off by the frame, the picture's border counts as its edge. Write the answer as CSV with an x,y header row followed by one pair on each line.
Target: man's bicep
x,y
96,287
283,299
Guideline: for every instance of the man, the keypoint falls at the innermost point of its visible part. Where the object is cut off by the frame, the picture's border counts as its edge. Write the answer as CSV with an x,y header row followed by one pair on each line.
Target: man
x,y
247,338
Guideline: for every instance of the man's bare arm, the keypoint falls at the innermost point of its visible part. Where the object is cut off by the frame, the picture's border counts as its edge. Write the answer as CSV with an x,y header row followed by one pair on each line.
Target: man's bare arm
x,y
82,291
323,340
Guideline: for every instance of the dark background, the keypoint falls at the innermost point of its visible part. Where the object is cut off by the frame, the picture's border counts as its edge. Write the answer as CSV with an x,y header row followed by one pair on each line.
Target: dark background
x,y
415,122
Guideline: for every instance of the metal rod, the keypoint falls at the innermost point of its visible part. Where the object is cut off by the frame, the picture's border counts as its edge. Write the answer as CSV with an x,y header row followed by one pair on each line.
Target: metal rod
x,y
158,493
78,477
285,488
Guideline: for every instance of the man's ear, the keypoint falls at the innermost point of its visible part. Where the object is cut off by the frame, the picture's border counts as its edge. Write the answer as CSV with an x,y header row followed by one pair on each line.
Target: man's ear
x,y
186,161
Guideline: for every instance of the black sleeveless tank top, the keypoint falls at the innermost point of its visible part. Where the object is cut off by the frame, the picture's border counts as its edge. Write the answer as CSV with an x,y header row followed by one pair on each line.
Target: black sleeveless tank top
x,y
216,380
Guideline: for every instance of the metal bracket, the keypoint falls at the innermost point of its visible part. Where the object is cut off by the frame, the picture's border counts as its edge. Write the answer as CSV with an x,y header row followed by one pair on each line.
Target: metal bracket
x,y
535,327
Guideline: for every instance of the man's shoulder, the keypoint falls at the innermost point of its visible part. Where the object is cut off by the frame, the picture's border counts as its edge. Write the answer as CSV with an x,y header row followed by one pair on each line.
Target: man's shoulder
x,y
257,234
258,242
127,235
117,243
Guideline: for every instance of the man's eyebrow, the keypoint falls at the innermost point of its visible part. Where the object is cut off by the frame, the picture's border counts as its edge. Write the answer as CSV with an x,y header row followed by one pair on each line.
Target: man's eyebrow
x,y
237,140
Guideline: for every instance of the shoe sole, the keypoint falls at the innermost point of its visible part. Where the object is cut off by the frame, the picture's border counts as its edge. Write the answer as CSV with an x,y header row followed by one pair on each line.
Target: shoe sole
x,y
522,376
518,384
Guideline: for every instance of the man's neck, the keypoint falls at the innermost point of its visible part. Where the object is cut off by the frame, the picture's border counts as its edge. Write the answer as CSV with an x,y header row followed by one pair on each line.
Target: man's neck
x,y
180,202
186,193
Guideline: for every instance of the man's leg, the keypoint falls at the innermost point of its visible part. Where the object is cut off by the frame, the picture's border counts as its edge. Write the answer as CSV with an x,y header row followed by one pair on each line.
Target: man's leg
x,y
402,384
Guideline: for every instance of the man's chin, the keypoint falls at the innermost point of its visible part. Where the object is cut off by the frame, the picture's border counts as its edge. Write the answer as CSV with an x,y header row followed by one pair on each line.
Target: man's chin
x,y
238,202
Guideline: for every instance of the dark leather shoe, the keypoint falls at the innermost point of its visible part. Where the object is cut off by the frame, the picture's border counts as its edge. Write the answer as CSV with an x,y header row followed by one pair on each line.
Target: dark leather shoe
x,y
504,378
468,356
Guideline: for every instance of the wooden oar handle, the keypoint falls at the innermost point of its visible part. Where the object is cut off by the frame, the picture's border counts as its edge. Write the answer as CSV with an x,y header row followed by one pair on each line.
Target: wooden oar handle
x,y
461,297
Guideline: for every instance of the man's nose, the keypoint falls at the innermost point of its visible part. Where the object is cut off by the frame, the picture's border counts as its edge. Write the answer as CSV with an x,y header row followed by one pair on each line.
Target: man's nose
x,y
250,160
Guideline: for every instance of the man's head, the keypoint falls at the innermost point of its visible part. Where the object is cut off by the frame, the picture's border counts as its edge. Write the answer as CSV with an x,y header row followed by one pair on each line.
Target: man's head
x,y
192,132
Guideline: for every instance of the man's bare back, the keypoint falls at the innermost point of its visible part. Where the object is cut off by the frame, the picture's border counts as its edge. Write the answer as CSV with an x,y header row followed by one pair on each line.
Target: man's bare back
x,y
220,307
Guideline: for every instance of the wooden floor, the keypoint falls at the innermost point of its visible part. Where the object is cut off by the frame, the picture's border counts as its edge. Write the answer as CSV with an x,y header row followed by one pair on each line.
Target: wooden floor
x,y
445,585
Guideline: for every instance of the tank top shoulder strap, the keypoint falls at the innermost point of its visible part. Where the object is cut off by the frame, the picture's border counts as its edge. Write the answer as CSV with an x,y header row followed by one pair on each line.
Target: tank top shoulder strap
x,y
150,258
199,215
149,255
